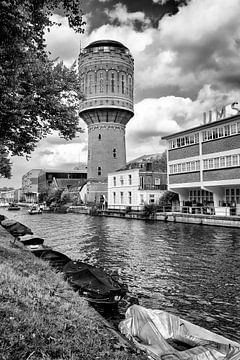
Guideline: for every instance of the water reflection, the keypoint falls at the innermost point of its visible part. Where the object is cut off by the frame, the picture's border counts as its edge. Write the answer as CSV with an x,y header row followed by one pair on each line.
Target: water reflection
x,y
190,270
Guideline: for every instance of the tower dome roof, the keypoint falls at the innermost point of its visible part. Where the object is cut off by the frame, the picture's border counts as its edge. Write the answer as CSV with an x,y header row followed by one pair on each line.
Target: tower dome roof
x,y
113,43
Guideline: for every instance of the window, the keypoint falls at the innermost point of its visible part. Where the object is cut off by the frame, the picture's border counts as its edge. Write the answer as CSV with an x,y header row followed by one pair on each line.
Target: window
x,y
114,198
235,160
228,160
222,161
121,180
101,81
205,164
151,199
99,137
233,129
141,199
130,85
114,181
130,197
99,171
123,84
112,82
114,153
90,83
121,197
130,179
227,130
210,163
216,163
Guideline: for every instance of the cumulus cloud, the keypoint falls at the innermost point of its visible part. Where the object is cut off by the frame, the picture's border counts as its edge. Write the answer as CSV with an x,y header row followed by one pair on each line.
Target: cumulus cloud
x,y
121,14
155,118
62,41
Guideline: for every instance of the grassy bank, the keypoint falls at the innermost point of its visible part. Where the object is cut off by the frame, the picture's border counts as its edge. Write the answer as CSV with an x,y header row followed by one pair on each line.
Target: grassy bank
x,y
41,317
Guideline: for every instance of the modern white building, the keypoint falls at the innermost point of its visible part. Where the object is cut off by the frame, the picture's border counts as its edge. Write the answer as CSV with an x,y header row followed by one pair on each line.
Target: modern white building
x,y
134,188
204,166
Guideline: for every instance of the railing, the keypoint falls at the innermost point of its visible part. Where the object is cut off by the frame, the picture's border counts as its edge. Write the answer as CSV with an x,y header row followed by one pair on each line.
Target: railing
x,y
125,207
152,187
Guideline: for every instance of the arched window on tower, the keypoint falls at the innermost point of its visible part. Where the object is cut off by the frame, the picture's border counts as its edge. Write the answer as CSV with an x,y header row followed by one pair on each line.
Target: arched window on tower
x,y
99,171
114,153
101,84
112,82
123,83
130,86
90,83
99,137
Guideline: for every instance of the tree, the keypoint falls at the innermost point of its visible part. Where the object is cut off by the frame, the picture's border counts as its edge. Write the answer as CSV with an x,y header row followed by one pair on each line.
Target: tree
x,y
37,95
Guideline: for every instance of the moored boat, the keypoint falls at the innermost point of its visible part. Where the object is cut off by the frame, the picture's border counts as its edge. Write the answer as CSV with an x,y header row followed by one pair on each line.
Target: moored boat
x,y
168,337
94,284
55,258
34,210
13,206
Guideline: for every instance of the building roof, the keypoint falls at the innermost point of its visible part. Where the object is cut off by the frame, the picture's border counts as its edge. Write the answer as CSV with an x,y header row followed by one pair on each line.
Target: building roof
x,y
202,127
106,43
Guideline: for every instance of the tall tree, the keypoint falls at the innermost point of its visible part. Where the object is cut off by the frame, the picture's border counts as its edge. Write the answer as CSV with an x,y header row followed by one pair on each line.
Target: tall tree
x,y
37,95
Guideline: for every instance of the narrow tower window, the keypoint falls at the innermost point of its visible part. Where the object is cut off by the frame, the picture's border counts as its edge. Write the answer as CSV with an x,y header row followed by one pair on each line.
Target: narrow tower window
x,y
123,84
90,84
130,85
101,81
112,82
114,153
99,170
99,137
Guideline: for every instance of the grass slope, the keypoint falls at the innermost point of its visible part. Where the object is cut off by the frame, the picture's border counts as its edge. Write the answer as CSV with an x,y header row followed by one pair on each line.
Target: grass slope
x,y
41,317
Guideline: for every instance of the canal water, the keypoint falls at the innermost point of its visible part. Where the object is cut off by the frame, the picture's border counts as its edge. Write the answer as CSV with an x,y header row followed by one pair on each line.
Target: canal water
x,y
190,270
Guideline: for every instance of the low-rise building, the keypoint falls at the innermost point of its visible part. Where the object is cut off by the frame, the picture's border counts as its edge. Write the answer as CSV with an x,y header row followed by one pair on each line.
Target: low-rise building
x,y
135,187
30,186
204,166
60,179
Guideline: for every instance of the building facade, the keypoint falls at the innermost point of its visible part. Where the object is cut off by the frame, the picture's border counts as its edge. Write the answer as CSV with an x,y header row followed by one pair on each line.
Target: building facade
x,y
134,188
204,165
106,73
30,187
59,179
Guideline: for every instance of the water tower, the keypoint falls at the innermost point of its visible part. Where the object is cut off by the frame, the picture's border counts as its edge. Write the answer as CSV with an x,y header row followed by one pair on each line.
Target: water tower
x,y
106,70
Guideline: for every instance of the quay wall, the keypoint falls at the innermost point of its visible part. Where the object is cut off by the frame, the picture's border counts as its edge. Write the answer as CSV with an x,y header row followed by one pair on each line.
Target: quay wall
x,y
201,219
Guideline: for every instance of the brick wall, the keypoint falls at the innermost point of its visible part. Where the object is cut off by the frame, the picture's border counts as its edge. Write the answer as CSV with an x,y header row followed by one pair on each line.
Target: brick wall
x,y
223,144
222,174
184,178
185,152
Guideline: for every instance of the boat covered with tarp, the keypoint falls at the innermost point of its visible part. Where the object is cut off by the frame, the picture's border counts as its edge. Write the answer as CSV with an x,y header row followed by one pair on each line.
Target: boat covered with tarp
x,y
168,337
94,283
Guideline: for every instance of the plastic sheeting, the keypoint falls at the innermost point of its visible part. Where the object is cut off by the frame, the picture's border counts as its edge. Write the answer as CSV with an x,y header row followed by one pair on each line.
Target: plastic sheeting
x,y
168,337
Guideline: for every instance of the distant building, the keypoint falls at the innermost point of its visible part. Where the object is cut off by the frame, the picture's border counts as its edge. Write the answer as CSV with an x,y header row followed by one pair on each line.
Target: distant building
x,y
106,72
204,165
30,186
60,180
6,195
135,187
41,181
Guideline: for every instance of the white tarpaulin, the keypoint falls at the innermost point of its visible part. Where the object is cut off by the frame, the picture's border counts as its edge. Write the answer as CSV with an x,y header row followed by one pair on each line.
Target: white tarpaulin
x,y
168,337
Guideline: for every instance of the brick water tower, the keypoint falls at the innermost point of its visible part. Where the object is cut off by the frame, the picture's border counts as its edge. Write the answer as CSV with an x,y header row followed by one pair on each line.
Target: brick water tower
x,y
106,70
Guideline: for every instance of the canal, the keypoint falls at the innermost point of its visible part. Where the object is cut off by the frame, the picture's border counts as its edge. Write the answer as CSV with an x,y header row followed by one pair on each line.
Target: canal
x,y
189,270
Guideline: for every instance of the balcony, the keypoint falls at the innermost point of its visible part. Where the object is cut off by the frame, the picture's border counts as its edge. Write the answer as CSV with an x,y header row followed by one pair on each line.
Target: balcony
x,y
152,187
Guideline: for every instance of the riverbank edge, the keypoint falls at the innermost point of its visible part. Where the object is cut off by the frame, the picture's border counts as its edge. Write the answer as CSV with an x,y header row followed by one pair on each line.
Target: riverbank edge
x,y
100,339
200,219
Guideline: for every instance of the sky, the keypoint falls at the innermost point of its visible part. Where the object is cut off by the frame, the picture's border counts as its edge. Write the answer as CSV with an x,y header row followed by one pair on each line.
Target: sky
x,y
186,57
